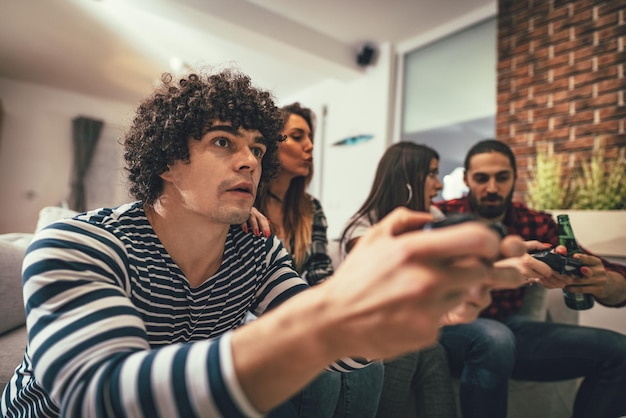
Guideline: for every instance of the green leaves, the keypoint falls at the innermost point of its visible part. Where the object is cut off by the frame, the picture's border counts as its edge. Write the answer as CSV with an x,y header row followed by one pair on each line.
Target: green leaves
x,y
599,183
547,188
602,184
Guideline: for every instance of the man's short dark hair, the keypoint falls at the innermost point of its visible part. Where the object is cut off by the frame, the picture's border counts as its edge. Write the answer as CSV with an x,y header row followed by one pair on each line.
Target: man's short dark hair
x,y
491,145
185,107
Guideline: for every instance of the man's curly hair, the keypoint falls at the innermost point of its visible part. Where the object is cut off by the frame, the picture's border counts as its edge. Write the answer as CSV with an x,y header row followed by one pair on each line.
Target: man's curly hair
x,y
185,107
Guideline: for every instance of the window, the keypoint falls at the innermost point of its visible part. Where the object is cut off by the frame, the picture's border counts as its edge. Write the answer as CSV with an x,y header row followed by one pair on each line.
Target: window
x,y
449,95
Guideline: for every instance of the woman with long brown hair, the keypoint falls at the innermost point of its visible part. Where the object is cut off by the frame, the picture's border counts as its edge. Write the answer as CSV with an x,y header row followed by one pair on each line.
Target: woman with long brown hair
x,y
297,218
417,384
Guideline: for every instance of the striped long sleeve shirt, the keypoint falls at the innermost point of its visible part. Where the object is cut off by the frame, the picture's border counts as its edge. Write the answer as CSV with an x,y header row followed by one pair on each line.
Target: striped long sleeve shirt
x,y
115,330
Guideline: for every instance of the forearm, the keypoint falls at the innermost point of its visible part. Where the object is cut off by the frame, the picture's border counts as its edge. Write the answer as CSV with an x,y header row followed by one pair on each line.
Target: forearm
x,y
617,296
282,351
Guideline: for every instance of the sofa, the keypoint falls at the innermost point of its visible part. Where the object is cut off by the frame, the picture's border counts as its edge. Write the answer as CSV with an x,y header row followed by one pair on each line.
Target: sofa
x,y
526,399
12,318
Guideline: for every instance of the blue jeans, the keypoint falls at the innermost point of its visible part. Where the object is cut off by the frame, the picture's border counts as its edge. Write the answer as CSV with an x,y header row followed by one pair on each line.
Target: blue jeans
x,y
360,392
338,395
486,353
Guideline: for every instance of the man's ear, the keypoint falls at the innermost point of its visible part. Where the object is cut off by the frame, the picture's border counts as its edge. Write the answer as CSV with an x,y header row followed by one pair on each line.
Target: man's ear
x,y
465,178
166,175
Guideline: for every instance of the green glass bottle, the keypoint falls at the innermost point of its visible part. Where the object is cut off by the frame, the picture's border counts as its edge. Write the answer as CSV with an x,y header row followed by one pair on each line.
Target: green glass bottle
x,y
577,301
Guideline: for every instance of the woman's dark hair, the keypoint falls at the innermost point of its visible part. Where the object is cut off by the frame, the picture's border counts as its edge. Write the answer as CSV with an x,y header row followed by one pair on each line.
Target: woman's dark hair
x,y
490,145
185,107
297,207
403,165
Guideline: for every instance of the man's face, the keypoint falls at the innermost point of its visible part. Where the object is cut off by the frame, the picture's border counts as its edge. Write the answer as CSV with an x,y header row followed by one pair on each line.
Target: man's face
x,y
491,181
221,179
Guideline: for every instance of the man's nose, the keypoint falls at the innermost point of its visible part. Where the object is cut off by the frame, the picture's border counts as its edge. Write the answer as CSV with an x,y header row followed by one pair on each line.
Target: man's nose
x,y
492,185
247,160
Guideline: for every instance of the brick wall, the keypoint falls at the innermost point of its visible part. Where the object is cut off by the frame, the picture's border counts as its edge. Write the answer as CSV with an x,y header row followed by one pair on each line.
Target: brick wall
x,y
561,79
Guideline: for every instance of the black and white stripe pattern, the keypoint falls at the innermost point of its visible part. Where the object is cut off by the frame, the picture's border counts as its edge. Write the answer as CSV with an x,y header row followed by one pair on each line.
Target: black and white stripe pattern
x,y
116,330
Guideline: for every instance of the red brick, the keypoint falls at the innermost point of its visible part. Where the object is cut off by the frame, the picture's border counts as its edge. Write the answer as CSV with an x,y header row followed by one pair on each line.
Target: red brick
x,y
583,52
611,33
559,73
581,14
561,133
612,58
606,98
582,91
612,112
611,85
616,140
610,7
582,66
585,116
581,143
596,128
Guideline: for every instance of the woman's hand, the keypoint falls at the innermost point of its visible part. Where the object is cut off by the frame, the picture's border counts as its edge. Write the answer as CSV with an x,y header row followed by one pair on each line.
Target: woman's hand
x,y
258,223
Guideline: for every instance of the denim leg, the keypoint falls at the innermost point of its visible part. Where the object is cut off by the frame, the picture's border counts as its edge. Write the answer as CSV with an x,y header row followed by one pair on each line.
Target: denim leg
x,y
360,392
432,385
418,384
319,399
397,398
482,354
548,351
284,410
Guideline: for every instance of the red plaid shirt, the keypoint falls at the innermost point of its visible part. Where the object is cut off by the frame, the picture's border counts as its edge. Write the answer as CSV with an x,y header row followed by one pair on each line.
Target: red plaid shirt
x,y
530,225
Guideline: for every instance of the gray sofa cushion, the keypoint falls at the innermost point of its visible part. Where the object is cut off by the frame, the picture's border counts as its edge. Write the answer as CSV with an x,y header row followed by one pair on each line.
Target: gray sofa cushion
x,y
13,344
11,300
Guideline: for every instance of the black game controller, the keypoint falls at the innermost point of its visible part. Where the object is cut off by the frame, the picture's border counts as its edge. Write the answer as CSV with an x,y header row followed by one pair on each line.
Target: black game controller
x,y
559,263
458,218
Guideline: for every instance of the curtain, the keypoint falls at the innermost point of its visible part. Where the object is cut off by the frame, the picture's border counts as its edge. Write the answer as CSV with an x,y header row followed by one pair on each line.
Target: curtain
x,y
85,134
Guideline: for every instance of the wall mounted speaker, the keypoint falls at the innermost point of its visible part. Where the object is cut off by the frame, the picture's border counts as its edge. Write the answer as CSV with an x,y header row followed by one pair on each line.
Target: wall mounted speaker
x,y
366,55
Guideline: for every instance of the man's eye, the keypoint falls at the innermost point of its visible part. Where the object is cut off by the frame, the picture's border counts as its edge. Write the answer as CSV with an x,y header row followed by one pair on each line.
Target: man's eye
x,y
481,179
503,178
258,152
222,142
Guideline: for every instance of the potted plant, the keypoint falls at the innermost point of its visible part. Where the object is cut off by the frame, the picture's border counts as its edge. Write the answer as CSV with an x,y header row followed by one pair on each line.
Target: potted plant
x,y
594,197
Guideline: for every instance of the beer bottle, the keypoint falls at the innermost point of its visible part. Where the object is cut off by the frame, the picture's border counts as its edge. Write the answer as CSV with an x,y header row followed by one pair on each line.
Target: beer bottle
x,y
577,301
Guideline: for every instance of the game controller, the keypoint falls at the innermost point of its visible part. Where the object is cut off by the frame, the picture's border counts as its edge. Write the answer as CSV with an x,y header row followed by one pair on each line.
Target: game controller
x,y
559,263
458,218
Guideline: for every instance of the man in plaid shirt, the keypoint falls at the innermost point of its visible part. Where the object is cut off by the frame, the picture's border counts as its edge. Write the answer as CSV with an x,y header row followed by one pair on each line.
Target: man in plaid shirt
x,y
502,345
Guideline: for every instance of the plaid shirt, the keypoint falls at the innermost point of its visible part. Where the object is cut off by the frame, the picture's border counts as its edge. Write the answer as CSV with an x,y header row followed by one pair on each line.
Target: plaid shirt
x,y
530,225
317,265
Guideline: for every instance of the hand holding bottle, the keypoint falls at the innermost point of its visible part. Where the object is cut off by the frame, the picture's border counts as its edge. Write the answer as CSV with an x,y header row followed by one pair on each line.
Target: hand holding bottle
x,y
573,300
595,279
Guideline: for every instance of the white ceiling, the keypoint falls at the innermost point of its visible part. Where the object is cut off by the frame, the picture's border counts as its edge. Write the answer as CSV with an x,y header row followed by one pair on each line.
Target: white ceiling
x,y
116,49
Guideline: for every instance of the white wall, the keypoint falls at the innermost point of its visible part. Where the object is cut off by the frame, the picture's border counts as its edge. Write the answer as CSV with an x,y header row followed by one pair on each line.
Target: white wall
x,y
344,174
36,145
36,151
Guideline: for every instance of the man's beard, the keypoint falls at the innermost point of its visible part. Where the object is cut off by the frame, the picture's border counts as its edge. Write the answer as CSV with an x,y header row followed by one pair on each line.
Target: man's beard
x,y
491,211
231,216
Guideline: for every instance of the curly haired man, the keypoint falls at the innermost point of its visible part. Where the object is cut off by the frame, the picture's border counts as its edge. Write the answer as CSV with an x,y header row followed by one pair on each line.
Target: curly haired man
x,y
138,310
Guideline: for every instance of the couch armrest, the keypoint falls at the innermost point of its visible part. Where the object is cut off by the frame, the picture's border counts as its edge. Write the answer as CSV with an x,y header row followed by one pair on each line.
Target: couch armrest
x,y
543,304
11,299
